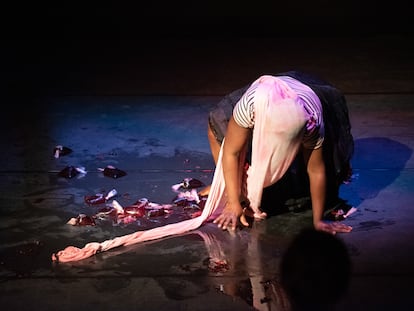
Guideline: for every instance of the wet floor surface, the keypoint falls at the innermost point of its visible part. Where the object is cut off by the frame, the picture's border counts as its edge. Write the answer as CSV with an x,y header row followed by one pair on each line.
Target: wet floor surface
x,y
158,141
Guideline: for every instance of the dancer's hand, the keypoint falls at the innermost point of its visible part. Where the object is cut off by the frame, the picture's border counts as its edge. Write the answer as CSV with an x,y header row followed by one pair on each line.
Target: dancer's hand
x,y
332,227
231,216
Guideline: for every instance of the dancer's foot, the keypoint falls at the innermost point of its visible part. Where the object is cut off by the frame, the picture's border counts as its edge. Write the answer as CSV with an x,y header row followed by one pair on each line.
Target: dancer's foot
x,y
205,191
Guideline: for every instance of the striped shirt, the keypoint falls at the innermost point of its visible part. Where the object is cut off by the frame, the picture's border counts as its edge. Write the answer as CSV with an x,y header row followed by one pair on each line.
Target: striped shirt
x,y
243,112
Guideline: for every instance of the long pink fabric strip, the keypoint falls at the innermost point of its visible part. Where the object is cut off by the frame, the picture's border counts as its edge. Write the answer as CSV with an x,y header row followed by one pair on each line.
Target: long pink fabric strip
x,y
279,121
213,205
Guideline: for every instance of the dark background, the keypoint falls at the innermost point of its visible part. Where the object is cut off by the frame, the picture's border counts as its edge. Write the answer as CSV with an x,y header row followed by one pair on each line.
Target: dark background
x,y
126,48
63,20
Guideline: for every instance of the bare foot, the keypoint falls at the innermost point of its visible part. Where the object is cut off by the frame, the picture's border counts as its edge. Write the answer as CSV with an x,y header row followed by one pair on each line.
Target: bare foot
x,y
205,191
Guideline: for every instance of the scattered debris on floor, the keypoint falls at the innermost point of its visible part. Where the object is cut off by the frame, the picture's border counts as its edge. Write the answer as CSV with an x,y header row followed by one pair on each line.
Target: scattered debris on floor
x,y
71,171
60,151
113,172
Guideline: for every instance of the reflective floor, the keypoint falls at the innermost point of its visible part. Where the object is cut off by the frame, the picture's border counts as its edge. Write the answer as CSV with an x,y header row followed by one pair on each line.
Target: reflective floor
x,y
148,118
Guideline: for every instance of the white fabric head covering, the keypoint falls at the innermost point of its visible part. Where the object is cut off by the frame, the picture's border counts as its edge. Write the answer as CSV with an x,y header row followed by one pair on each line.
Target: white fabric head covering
x,y
279,126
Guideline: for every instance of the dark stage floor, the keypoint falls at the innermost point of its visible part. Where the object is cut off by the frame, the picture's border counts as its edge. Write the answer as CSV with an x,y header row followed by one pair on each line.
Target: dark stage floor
x,y
142,107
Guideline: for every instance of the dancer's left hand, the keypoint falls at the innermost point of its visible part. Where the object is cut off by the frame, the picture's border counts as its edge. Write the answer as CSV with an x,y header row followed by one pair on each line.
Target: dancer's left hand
x,y
332,227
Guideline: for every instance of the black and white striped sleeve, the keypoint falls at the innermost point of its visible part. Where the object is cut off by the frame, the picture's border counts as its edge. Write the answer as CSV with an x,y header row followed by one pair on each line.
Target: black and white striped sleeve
x,y
243,112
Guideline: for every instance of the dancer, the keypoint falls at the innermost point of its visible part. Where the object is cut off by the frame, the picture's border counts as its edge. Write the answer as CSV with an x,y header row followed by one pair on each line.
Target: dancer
x,y
274,119
263,128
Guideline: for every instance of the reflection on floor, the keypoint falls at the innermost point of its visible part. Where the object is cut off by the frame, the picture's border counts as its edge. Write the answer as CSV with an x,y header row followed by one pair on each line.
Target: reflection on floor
x,y
159,141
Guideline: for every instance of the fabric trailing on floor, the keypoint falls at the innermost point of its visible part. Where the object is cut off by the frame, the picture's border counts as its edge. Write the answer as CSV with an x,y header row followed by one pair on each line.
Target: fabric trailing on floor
x,y
268,154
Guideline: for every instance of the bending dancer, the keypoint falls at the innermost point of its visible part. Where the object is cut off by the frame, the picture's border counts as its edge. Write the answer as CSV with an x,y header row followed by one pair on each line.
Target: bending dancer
x,y
266,125
257,133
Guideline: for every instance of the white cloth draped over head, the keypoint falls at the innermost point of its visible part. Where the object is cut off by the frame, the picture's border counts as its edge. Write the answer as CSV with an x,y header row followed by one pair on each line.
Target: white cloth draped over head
x,y
280,121
279,124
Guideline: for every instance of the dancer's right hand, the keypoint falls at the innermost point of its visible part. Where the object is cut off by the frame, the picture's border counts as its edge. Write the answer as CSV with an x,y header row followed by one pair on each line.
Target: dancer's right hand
x,y
230,217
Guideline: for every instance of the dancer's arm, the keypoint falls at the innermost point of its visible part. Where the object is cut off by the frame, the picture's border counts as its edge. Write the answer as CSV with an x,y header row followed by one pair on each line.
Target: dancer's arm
x,y
317,181
235,140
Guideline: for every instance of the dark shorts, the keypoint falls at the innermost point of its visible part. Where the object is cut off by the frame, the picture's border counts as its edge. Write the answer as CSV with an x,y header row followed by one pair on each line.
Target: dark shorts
x,y
220,115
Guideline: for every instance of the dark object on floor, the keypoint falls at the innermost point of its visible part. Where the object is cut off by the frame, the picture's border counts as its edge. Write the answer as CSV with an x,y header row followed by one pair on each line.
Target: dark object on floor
x,y
192,183
188,184
95,199
315,270
69,172
113,172
60,151
82,220
99,198
339,211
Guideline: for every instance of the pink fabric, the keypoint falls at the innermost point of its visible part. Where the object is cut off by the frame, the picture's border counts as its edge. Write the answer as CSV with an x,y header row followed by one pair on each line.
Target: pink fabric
x,y
213,205
279,122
